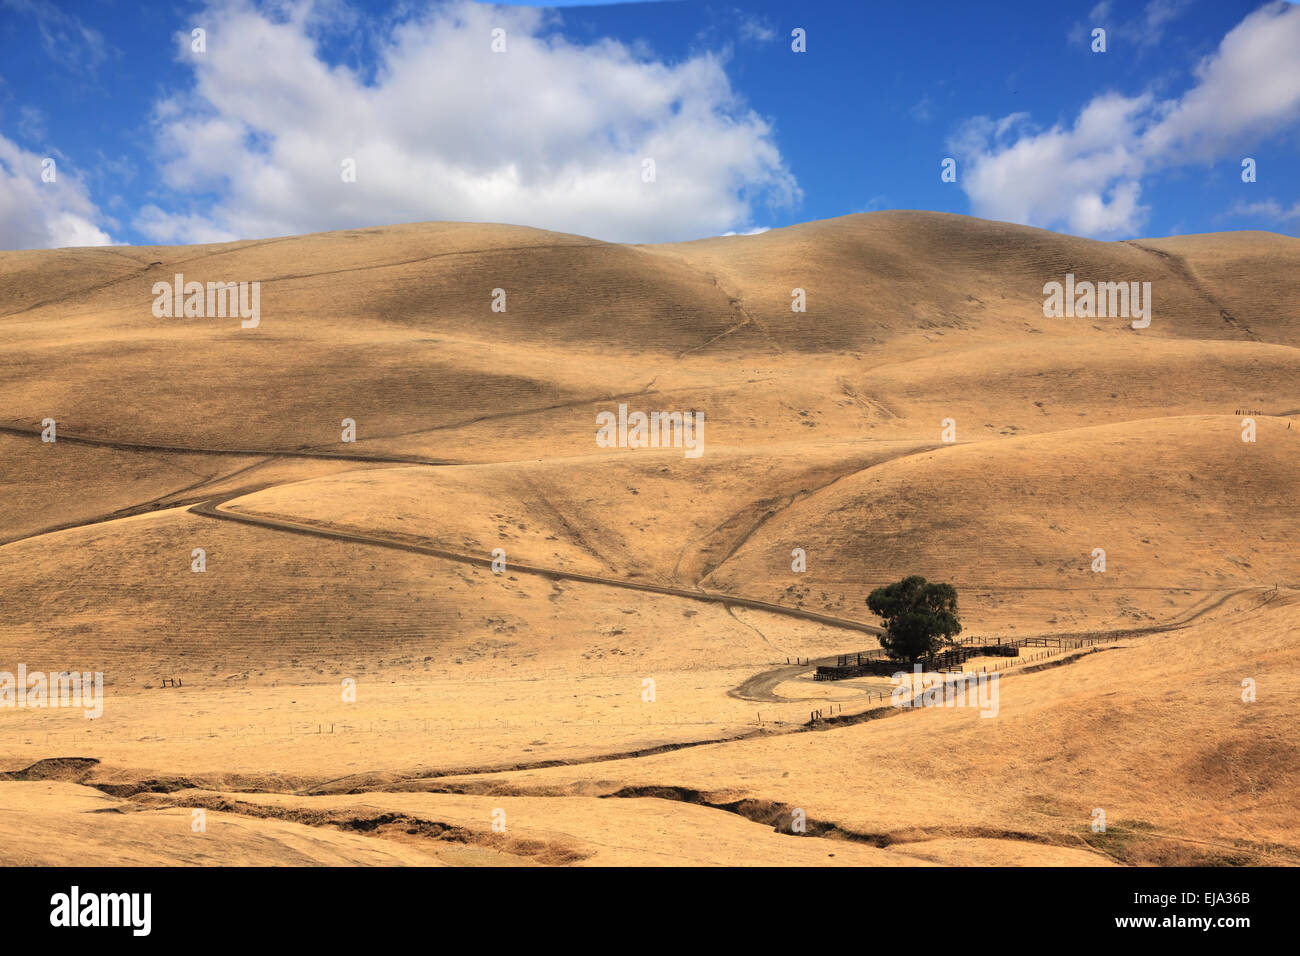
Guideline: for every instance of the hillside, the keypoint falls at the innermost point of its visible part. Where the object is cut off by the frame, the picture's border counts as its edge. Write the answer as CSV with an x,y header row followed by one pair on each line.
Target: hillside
x,y
648,637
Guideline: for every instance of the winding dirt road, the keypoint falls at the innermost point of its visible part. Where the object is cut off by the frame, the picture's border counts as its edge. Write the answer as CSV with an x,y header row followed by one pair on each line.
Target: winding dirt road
x,y
211,508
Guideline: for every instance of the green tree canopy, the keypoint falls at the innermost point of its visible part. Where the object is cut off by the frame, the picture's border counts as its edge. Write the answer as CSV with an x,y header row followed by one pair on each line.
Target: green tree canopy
x,y
919,617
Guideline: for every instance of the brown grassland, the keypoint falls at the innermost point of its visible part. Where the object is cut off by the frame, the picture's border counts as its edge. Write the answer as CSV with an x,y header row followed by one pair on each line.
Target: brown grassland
x,y
519,697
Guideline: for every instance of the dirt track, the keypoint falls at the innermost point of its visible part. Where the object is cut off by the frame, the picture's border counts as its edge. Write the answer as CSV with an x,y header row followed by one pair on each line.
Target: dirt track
x,y
212,508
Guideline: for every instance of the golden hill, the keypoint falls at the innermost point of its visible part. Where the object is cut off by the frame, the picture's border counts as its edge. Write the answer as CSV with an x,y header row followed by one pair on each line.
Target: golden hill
x,y
648,638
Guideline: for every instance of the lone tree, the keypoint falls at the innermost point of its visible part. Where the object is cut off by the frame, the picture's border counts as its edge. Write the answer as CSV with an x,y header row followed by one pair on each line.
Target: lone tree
x,y
919,617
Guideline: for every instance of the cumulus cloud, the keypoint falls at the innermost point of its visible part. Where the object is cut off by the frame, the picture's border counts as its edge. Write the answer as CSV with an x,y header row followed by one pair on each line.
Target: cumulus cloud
x,y
1084,176
549,133
1249,87
38,214
1087,176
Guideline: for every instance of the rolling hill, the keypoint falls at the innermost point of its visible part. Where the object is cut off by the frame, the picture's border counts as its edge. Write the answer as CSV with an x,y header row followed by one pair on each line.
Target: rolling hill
x,y
650,637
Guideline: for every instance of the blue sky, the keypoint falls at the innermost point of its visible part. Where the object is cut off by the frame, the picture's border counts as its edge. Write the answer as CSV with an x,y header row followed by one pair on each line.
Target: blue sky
x,y
154,142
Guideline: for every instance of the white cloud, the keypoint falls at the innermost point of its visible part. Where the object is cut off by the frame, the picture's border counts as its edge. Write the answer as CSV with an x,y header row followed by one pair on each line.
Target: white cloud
x,y
1144,30
549,133
1084,176
1266,209
35,214
31,123
755,30
1087,176
1160,12
65,37
1249,87
166,227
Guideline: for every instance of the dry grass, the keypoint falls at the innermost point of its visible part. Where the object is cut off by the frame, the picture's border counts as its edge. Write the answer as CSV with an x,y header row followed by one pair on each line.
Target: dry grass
x,y
524,691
